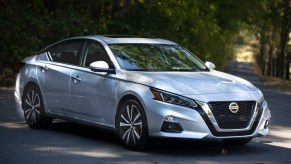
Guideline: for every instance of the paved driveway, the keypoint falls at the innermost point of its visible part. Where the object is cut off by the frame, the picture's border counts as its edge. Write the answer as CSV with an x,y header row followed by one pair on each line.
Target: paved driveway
x,y
67,142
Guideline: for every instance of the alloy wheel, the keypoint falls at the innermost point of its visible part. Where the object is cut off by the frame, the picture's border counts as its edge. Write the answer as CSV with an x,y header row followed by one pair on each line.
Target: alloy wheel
x,y
131,124
32,104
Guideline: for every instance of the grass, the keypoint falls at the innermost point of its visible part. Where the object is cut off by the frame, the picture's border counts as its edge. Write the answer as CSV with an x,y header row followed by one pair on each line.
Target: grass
x,y
277,83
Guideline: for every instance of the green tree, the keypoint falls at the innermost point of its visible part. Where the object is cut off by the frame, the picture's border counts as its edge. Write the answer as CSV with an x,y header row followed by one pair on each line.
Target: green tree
x,y
207,28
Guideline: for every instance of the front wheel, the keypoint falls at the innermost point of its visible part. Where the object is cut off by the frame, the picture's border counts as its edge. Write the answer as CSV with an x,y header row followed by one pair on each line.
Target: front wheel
x,y
237,141
131,125
32,104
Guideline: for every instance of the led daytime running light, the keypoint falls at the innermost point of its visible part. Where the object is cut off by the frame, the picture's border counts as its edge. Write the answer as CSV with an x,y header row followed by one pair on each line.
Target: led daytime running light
x,y
173,99
261,101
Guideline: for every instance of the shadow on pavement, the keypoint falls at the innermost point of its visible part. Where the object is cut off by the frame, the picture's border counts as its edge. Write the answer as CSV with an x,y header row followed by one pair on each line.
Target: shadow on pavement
x,y
68,142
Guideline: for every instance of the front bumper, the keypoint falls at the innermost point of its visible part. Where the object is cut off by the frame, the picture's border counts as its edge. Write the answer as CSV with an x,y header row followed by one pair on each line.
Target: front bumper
x,y
198,124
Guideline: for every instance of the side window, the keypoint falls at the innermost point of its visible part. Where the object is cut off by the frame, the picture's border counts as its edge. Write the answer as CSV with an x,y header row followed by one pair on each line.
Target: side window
x,y
66,52
95,52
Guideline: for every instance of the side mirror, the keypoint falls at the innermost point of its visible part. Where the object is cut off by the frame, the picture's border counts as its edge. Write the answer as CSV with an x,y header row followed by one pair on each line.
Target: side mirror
x,y
100,66
210,65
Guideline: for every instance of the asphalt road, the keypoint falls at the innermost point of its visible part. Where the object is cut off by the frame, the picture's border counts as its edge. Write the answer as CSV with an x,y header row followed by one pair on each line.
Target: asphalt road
x,y
66,142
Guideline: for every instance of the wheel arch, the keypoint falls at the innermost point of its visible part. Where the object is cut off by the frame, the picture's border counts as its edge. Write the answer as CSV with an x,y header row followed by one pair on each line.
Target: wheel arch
x,y
126,97
28,84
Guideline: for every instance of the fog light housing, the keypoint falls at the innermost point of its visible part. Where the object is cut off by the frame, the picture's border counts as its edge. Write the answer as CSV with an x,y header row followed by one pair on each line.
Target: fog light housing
x,y
171,126
266,124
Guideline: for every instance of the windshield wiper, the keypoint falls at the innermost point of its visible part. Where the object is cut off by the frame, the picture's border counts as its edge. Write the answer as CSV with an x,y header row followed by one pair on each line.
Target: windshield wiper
x,y
180,69
137,69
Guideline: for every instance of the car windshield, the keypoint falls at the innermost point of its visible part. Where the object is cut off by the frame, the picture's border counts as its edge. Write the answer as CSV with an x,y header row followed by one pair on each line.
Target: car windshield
x,y
156,57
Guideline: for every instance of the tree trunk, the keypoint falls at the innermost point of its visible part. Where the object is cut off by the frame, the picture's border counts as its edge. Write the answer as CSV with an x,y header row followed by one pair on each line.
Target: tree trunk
x,y
270,67
264,52
285,30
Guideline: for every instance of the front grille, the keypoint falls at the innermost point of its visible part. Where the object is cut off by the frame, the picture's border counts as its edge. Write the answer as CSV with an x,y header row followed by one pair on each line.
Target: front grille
x,y
223,134
228,120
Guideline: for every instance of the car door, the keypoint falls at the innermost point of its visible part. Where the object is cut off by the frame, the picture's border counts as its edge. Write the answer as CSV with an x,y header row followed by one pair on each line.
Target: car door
x,y
91,92
55,75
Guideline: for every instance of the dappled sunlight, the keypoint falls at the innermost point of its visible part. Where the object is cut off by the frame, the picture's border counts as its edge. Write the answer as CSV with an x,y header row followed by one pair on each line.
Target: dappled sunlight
x,y
245,50
13,125
282,133
245,53
281,137
97,153
281,143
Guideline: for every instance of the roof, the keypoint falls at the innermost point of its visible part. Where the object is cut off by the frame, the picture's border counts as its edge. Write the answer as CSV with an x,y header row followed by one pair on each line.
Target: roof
x,y
125,39
119,39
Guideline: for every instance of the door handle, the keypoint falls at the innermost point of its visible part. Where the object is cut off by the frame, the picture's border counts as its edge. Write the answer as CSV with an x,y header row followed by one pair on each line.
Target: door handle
x,y
44,68
76,79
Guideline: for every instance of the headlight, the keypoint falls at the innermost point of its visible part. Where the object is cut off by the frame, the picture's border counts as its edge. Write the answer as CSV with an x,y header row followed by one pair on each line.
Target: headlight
x,y
173,99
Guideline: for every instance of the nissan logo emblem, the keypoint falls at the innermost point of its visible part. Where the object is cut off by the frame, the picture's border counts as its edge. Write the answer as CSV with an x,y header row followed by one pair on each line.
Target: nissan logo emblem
x,y
233,107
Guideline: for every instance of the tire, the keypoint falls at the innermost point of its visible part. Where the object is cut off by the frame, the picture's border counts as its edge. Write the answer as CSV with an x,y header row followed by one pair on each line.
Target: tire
x,y
238,141
131,125
33,108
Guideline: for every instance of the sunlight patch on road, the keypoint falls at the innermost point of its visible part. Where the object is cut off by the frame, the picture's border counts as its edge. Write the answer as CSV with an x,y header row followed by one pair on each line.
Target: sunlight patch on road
x,y
12,125
81,152
281,137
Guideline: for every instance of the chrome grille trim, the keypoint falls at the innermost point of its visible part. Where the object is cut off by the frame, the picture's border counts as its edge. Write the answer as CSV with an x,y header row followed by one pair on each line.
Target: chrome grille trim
x,y
211,117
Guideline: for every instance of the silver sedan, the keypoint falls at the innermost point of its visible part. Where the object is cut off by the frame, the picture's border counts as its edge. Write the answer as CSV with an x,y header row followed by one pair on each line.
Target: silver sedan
x,y
140,87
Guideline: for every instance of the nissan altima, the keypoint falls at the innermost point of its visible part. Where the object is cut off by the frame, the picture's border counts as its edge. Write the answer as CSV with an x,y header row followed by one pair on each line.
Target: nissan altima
x,y
141,88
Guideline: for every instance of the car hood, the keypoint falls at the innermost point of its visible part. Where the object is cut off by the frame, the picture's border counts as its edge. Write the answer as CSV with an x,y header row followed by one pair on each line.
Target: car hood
x,y
193,83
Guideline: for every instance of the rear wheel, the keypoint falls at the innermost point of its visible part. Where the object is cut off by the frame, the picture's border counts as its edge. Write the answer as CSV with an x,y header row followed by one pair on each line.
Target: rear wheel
x,y
238,141
131,125
32,104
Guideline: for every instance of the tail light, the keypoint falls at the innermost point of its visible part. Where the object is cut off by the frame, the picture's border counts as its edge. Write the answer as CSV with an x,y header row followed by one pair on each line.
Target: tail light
x,y
19,65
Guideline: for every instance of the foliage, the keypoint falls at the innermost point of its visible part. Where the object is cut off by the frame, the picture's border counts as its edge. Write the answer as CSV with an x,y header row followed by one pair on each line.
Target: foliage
x,y
270,21
206,28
